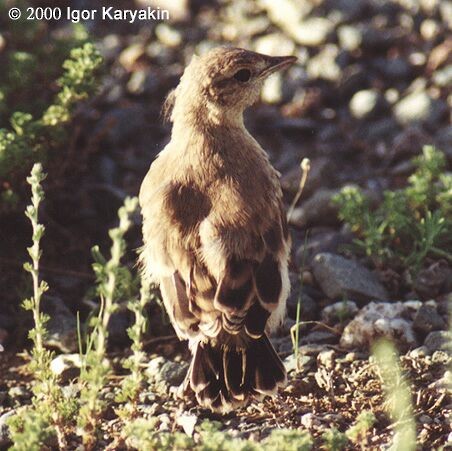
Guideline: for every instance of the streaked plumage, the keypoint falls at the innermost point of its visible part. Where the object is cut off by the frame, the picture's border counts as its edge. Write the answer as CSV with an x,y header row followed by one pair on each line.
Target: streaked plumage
x,y
215,233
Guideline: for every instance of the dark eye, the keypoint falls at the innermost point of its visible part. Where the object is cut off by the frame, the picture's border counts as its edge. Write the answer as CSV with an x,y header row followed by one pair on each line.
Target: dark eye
x,y
243,75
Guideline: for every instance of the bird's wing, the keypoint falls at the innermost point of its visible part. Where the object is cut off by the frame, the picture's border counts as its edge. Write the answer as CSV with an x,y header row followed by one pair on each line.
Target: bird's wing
x,y
253,288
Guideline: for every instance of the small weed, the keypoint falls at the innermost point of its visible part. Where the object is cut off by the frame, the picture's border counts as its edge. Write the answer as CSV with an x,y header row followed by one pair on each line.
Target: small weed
x,y
411,223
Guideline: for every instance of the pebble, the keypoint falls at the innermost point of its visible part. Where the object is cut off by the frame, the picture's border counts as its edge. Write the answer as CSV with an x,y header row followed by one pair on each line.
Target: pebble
x,y
439,341
327,358
4,429
382,319
364,103
319,209
62,325
414,107
350,37
320,337
66,365
338,277
421,351
167,35
169,372
428,319
324,66
339,311
312,32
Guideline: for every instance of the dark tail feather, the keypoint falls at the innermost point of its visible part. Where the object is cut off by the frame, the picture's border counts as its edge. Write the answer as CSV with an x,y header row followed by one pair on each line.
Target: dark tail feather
x,y
223,378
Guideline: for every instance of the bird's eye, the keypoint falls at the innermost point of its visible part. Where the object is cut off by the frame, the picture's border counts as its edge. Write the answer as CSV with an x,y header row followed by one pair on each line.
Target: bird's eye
x,y
243,75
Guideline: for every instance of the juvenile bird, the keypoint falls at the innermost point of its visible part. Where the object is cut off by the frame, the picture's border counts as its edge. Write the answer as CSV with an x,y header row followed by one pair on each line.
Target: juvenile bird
x,y
215,233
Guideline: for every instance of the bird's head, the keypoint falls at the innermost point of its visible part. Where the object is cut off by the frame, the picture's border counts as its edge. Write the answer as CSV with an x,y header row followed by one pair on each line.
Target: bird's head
x,y
224,81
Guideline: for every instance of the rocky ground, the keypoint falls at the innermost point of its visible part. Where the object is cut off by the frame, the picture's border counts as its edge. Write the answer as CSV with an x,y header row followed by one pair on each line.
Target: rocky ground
x,y
369,89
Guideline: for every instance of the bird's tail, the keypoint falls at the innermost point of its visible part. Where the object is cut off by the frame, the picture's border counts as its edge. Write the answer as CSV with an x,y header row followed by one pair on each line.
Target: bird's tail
x,y
224,377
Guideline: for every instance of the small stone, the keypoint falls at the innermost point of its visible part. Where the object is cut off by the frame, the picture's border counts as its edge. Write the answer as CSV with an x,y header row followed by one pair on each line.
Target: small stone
x,y
382,319
319,337
338,312
428,319
364,103
169,372
5,439
422,351
439,341
167,35
62,325
339,277
319,209
441,357
274,44
312,32
324,65
327,358
187,422
414,107
443,77
130,56
350,37
66,365
424,419
429,29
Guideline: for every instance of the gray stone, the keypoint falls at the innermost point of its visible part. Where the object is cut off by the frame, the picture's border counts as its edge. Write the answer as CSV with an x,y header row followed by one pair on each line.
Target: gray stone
x,y
308,306
443,77
167,35
66,365
4,429
324,65
439,341
174,372
62,325
414,107
321,174
382,319
319,337
338,312
312,32
393,69
364,103
350,37
340,277
169,372
428,319
324,241
319,209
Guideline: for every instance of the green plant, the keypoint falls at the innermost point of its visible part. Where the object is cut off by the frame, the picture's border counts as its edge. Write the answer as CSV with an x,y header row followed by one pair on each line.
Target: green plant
x,y
364,422
288,440
95,366
37,132
50,410
132,383
295,329
142,434
334,440
398,395
411,223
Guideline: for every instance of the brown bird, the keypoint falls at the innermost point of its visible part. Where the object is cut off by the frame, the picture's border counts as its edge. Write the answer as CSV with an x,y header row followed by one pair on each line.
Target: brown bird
x,y
215,233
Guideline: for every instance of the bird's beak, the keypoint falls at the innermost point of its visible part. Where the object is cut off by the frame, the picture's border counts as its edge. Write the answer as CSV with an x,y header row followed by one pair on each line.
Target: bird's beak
x,y
275,63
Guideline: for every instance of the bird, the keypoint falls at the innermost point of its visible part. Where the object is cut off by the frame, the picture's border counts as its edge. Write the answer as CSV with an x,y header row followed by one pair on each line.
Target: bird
x,y
215,235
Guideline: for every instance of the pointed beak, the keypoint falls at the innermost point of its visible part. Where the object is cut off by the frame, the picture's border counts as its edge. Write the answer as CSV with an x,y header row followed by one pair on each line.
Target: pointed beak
x,y
276,63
